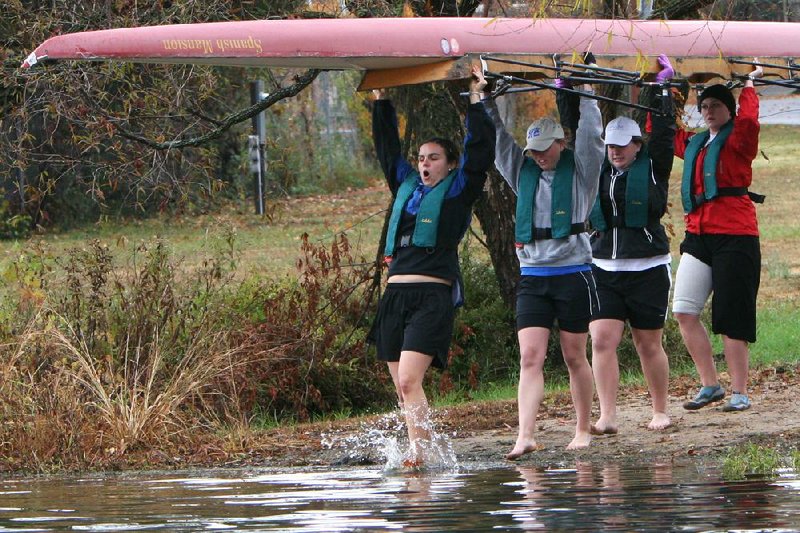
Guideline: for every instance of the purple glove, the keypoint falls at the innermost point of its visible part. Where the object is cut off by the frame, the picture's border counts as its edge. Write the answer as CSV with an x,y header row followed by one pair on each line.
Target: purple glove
x,y
666,71
563,83
757,72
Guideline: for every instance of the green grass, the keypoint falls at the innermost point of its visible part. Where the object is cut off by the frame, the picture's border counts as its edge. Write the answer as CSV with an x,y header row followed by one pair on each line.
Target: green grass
x,y
751,460
778,335
780,232
487,393
264,246
501,391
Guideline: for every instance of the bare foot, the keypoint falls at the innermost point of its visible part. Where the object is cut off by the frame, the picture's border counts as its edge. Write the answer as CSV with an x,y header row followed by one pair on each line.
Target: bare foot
x,y
603,427
521,449
415,463
659,421
581,440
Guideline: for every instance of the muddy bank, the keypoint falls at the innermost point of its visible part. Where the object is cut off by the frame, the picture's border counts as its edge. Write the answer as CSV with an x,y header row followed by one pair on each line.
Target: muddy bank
x,y
481,433
484,432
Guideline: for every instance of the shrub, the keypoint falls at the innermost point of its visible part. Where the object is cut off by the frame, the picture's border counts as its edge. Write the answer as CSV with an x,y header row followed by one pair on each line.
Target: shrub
x,y
308,355
13,225
484,347
111,361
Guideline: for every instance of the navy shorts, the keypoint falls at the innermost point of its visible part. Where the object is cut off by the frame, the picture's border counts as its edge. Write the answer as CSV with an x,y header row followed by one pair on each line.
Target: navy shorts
x,y
735,262
642,298
568,298
415,317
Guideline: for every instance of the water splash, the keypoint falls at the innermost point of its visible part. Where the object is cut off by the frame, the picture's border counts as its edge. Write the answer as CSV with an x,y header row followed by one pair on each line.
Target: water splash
x,y
385,441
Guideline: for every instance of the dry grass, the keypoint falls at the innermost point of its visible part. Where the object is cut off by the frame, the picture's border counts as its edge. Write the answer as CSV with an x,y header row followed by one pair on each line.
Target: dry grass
x,y
154,358
140,397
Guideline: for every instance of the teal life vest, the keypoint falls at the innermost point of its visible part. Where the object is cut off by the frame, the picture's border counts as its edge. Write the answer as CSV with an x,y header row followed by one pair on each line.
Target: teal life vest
x,y
430,207
696,144
637,185
561,200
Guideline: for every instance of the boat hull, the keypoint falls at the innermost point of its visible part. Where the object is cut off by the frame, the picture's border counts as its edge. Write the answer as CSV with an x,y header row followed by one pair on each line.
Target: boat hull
x,y
425,49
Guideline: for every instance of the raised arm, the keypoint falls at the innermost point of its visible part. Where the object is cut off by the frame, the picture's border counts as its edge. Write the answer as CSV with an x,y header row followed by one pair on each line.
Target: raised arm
x,y
387,141
660,146
662,134
479,149
478,154
508,156
589,150
747,127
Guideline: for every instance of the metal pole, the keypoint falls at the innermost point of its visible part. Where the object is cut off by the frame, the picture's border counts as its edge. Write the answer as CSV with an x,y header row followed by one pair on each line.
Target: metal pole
x,y
260,134
645,9
325,85
256,169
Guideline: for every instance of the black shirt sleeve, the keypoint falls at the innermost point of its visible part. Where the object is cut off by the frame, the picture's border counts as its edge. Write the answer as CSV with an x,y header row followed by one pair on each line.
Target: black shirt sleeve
x,y
479,147
387,140
661,150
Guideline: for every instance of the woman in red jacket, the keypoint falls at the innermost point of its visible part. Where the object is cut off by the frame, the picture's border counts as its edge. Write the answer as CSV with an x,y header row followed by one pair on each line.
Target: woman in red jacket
x,y
721,251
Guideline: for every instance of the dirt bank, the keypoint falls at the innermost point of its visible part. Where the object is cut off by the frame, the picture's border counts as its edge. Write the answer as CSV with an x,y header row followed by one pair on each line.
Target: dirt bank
x,y
484,432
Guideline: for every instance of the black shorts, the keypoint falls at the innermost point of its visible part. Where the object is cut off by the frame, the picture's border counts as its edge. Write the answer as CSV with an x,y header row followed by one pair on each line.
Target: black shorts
x,y
642,298
568,298
414,317
735,262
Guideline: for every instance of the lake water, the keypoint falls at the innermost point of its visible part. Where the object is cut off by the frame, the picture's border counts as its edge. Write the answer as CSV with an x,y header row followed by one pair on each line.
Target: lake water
x,y
580,496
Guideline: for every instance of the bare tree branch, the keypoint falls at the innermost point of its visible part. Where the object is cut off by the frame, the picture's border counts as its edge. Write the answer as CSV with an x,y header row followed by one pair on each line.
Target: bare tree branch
x,y
679,9
301,82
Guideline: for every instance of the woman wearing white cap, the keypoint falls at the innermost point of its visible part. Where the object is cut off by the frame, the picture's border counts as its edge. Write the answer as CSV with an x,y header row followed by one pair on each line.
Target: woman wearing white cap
x,y
631,260
555,190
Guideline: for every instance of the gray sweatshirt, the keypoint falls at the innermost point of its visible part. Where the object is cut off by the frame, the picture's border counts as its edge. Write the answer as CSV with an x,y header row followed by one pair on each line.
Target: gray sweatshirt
x,y
589,153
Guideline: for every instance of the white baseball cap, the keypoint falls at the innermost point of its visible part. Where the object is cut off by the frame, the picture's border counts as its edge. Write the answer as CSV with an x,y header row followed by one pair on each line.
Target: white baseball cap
x,y
542,133
621,130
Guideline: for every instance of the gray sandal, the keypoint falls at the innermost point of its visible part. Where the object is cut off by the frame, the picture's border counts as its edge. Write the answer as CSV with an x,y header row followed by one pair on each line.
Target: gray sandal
x,y
707,395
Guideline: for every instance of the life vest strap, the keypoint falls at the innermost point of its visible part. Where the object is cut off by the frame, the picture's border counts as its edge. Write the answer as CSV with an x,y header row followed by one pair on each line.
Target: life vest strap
x,y
540,234
699,199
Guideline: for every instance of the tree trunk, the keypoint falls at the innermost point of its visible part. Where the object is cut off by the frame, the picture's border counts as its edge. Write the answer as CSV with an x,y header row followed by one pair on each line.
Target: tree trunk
x,y
495,213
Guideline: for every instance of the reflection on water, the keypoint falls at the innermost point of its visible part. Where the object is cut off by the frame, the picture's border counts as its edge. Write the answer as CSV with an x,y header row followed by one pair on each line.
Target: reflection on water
x,y
585,496
610,497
